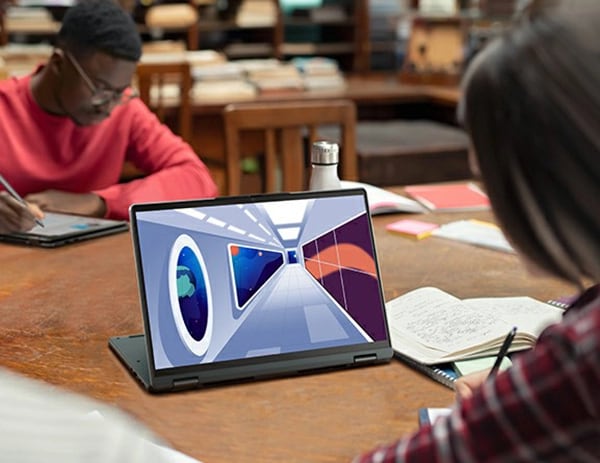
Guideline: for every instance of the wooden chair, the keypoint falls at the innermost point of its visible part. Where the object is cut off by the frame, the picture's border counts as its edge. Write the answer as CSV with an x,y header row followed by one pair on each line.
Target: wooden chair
x,y
283,126
403,152
175,17
164,85
421,149
155,82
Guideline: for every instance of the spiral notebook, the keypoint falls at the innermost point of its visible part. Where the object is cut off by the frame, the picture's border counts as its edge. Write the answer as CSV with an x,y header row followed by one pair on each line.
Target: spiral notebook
x,y
446,373
443,373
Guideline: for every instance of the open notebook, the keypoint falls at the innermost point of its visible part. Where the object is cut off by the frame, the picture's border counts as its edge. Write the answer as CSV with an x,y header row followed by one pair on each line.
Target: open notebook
x,y
243,288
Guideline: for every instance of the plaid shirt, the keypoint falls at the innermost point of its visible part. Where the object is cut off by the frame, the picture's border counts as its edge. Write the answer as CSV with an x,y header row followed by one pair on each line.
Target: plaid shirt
x,y
545,408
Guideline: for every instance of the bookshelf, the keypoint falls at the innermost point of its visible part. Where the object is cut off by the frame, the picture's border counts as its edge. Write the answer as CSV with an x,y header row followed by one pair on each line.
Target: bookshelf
x,y
242,29
337,29
284,29
389,27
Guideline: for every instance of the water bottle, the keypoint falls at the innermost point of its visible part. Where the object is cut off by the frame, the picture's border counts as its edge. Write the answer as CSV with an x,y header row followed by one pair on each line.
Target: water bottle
x,y
324,157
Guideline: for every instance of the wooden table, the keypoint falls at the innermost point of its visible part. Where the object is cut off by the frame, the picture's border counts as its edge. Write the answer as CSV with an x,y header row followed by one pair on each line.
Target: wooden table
x,y
59,307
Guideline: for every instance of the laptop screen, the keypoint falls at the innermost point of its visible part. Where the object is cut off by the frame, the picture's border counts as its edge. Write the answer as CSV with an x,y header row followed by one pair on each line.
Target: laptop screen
x,y
257,276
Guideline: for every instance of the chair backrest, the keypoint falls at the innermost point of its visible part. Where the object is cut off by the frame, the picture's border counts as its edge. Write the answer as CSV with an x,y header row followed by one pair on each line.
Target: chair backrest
x,y
283,126
435,51
182,16
164,85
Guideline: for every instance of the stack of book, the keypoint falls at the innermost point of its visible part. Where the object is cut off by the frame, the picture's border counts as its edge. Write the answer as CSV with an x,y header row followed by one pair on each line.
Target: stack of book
x,y
215,78
22,59
450,197
283,78
256,13
30,19
320,73
438,7
328,13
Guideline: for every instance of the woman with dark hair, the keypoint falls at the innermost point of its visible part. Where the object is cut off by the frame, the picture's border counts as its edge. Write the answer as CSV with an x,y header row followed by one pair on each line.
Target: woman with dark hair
x,y
532,106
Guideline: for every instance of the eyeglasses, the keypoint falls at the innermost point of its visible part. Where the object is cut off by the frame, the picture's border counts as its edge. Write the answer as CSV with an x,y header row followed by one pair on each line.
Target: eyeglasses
x,y
102,96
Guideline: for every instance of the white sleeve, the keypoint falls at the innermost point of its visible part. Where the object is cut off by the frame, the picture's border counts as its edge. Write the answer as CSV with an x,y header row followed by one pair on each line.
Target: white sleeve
x,y
39,422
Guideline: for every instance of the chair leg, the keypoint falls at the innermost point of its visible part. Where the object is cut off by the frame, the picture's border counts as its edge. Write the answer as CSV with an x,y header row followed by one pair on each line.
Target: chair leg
x,y
232,167
270,167
292,159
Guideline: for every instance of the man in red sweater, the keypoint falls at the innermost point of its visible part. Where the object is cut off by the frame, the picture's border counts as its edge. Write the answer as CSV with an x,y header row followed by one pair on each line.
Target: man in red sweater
x,y
67,129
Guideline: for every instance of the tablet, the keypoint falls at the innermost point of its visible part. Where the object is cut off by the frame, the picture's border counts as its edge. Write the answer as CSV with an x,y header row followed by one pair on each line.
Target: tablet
x,y
61,229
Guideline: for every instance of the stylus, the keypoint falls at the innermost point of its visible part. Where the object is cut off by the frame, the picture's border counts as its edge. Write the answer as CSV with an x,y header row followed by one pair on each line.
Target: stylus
x,y
17,196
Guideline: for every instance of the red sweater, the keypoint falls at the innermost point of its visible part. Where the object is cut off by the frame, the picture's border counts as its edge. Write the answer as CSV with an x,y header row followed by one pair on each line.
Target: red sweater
x,y
545,408
40,151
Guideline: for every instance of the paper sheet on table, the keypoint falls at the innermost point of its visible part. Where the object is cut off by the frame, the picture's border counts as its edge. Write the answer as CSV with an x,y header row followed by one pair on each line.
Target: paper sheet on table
x,y
476,232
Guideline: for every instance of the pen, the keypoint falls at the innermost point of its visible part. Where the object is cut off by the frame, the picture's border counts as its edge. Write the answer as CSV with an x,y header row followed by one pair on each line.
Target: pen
x,y
502,352
17,196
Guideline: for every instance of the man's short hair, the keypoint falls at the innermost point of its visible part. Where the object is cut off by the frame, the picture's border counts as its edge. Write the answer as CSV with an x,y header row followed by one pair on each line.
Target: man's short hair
x,y
100,25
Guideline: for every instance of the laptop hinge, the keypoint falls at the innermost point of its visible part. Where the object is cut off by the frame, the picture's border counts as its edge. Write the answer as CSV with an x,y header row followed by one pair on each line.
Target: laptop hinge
x,y
185,383
365,358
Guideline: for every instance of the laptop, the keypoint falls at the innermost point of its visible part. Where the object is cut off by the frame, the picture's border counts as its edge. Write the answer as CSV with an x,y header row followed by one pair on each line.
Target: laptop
x,y
61,229
250,287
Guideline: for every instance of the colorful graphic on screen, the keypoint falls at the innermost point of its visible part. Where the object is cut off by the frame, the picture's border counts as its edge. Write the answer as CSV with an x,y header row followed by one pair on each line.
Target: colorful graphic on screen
x,y
226,282
341,260
189,294
251,268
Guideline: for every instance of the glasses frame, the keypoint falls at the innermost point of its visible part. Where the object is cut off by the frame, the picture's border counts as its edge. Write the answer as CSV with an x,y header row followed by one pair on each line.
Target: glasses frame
x,y
102,96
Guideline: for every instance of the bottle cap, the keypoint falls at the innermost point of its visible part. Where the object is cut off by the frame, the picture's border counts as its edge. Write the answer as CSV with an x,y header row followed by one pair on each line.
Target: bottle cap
x,y
324,152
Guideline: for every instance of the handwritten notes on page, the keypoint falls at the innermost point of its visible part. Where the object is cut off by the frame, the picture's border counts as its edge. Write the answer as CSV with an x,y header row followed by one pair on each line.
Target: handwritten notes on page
x,y
432,326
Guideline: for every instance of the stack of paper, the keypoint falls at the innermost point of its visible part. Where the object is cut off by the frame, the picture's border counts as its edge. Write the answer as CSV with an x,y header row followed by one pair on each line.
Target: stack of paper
x,y
476,232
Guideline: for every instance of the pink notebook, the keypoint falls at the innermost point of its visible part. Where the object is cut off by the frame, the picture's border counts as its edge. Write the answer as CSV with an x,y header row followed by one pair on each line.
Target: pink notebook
x,y
450,197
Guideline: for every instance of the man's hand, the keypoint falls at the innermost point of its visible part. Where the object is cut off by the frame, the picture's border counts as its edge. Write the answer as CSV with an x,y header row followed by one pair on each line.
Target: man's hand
x,y
15,216
465,385
87,204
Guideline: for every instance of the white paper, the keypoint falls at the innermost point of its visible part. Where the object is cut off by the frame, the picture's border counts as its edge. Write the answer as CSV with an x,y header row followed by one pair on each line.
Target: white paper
x,y
384,201
475,232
